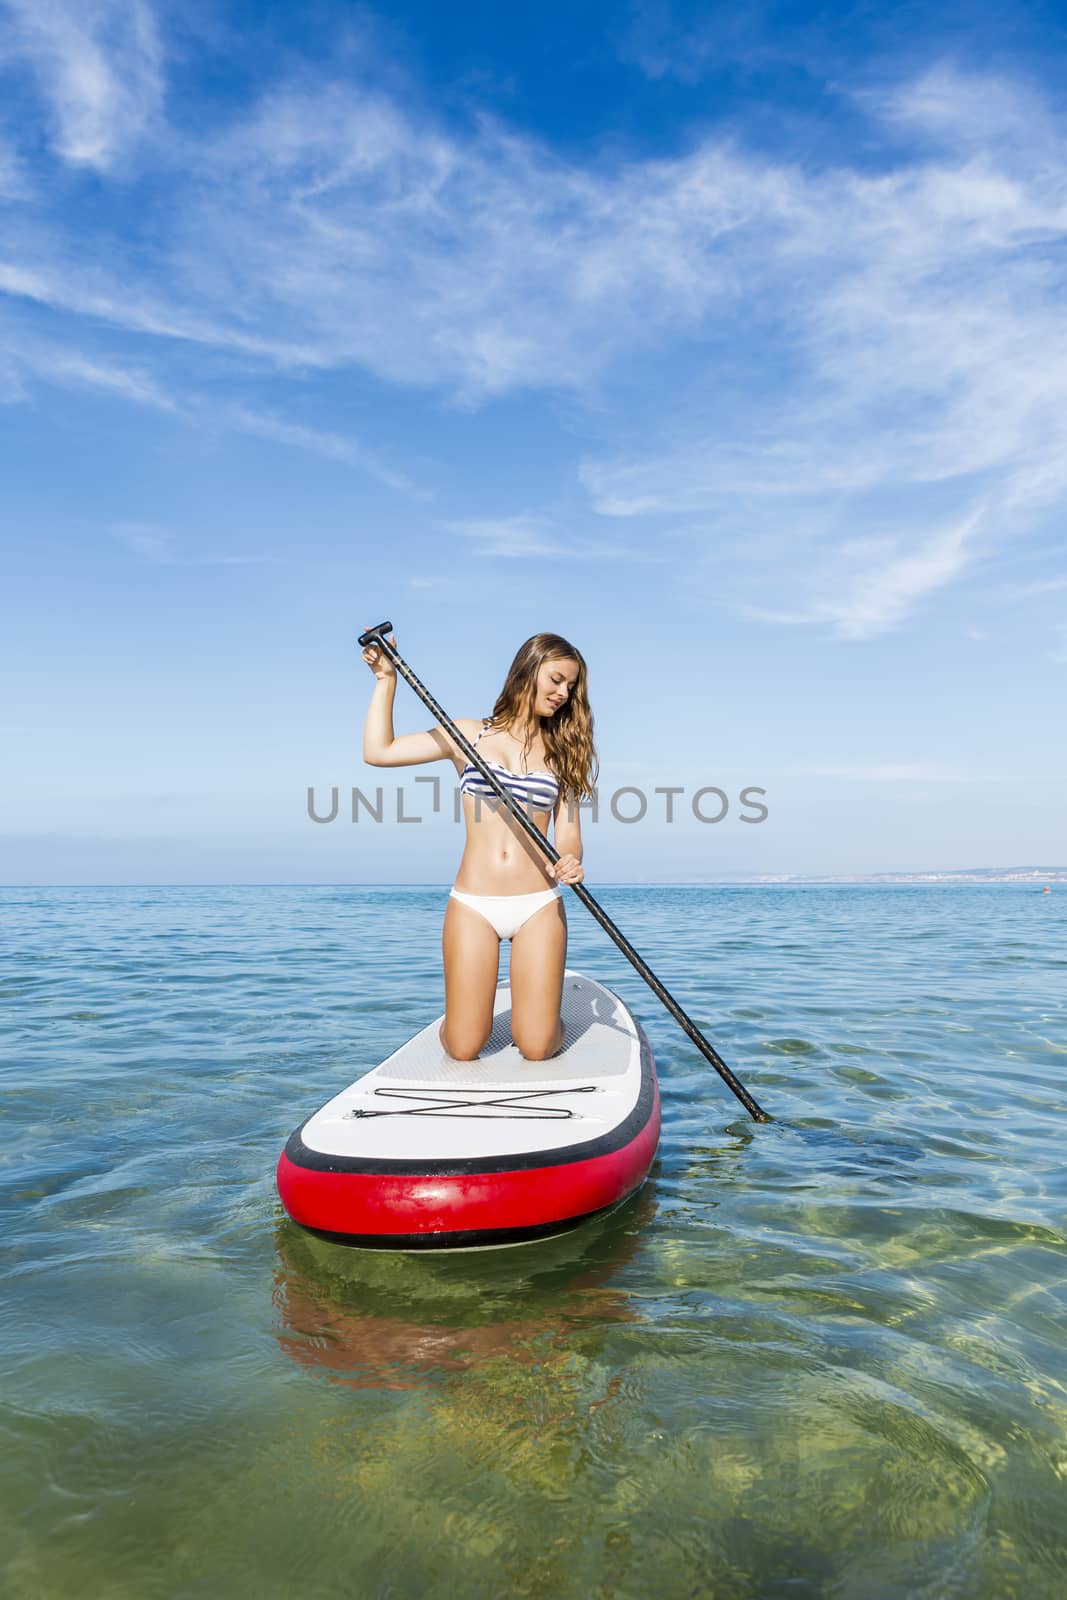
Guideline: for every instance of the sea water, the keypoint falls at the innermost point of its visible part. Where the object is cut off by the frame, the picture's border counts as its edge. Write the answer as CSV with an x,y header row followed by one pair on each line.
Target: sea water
x,y
827,1356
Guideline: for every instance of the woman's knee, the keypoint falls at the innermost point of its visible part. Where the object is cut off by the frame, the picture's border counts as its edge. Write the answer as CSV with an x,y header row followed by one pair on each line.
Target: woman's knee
x,y
468,1052
537,1044
463,1044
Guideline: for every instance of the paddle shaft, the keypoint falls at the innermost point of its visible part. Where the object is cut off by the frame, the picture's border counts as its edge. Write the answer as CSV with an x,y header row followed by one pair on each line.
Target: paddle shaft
x,y
377,636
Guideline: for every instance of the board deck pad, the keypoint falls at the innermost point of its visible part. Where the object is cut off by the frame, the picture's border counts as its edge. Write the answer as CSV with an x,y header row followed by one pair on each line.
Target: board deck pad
x,y
401,1115
596,1040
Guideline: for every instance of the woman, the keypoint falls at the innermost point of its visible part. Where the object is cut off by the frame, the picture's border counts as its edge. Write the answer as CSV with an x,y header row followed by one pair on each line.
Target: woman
x,y
539,742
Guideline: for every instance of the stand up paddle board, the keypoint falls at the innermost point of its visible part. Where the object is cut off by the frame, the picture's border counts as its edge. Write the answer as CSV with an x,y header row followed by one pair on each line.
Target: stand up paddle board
x,y
428,1152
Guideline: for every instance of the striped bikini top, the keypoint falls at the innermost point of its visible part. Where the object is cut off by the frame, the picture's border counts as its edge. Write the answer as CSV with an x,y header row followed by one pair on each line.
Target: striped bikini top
x,y
538,790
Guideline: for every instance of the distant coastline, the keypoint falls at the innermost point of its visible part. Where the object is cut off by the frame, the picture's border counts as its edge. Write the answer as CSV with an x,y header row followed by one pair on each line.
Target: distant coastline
x,y
1034,875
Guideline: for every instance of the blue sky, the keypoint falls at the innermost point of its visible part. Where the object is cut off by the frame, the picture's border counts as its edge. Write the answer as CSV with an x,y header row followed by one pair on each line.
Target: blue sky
x,y
729,345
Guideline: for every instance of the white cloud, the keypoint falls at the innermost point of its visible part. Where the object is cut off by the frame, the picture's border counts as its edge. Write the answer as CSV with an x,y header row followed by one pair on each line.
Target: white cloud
x,y
513,536
884,590
12,173
99,66
138,307
70,368
851,383
971,112
321,442
160,547
333,230
930,403
528,535
1025,591
266,426
41,361
147,541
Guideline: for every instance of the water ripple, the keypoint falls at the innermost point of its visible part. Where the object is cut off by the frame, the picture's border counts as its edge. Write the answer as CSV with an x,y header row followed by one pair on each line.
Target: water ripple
x,y
821,1357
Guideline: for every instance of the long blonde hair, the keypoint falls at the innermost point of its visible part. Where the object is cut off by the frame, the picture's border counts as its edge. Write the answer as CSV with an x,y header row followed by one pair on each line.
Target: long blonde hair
x,y
568,734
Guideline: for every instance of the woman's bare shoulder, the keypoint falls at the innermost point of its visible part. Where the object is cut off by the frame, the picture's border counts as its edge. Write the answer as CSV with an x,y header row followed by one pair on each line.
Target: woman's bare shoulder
x,y
469,727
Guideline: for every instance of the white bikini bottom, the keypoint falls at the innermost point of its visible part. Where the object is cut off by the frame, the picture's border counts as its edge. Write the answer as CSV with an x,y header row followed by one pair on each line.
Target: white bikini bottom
x,y
506,913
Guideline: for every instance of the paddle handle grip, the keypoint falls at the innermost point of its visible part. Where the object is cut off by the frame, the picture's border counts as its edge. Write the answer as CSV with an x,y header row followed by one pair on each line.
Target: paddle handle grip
x,y
372,634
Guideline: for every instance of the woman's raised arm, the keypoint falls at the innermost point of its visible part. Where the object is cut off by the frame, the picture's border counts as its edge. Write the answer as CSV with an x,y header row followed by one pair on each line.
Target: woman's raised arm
x,y
381,747
411,748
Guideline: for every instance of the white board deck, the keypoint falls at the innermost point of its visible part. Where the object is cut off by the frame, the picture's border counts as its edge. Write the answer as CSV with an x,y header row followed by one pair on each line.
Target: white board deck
x,y
423,1104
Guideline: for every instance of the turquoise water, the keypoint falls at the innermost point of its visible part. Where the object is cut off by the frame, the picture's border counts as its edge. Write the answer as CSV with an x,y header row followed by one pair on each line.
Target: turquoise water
x,y
823,1357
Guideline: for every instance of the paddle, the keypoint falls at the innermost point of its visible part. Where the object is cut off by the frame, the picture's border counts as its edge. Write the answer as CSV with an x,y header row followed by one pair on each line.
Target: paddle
x,y
377,636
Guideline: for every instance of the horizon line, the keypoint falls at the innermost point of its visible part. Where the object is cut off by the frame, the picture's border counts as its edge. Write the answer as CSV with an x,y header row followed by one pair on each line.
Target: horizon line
x,y
765,881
